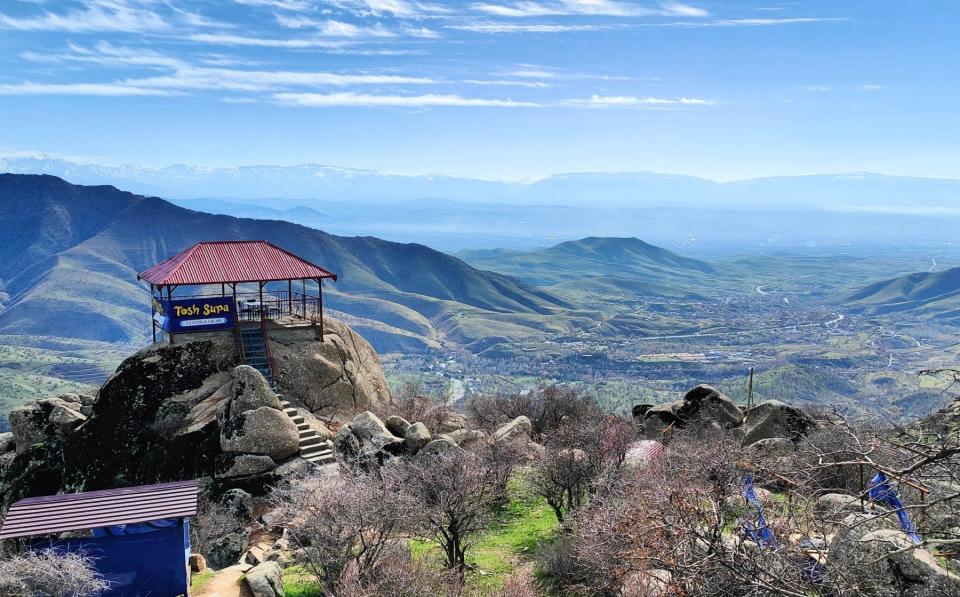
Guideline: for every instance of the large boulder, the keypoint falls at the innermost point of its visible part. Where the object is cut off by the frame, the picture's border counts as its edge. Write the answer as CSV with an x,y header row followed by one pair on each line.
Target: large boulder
x,y
775,419
703,405
467,438
227,549
246,465
517,429
709,404
416,437
397,425
660,418
367,439
51,418
251,390
441,447
836,506
340,376
265,431
264,580
895,567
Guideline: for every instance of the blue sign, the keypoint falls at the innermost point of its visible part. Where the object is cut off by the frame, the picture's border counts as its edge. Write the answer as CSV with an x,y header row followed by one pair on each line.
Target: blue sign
x,y
204,314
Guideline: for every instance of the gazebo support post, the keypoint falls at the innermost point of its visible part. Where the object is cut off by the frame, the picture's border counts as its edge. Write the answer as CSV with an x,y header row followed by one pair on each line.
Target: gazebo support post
x,y
169,298
290,297
320,301
153,312
261,301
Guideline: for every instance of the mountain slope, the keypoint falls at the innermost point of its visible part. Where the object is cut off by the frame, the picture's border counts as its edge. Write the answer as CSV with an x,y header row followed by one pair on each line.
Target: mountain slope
x,y
70,256
928,294
629,264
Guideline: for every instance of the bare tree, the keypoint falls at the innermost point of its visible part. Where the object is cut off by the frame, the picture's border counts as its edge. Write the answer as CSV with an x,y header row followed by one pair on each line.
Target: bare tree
x,y
454,496
577,454
547,408
49,573
345,527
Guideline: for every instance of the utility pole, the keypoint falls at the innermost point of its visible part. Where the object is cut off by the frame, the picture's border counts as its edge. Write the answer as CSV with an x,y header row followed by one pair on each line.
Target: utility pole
x,y
750,390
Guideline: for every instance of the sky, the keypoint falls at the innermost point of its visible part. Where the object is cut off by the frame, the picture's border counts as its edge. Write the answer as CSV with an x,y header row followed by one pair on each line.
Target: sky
x,y
500,89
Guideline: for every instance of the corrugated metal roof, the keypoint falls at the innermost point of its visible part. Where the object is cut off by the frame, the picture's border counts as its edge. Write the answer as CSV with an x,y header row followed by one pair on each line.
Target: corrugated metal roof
x,y
234,261
94,509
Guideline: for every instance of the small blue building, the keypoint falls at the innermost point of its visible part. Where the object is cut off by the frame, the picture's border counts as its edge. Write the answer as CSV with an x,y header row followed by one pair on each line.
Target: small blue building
x,y
140,539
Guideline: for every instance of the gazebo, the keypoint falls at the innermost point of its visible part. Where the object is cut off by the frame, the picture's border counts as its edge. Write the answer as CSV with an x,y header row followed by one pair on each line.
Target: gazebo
x,y
228,264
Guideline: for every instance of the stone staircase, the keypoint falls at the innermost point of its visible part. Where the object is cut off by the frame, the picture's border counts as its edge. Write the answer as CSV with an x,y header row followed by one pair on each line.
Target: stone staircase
x,y
312,448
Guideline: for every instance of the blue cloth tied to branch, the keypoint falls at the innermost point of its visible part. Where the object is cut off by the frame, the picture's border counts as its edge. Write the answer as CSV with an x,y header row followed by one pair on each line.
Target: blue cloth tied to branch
x,y
881,492
759,531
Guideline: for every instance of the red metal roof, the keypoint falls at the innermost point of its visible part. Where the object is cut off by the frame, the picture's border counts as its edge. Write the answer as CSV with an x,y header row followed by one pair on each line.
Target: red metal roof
x,y
94,509
232,262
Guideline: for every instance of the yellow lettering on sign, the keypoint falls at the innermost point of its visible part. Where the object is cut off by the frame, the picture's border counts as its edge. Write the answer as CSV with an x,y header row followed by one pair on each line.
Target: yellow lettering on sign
x,y
215,309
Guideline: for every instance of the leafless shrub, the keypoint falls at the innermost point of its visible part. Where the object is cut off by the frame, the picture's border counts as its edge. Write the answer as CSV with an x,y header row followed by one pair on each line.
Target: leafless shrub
x,y
577,454
416,407
547,408
520,584
49,573
454,496
212,522
344,527
398,574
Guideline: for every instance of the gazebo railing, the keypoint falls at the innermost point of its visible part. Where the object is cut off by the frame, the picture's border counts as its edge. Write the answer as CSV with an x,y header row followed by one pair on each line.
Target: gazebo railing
x,y
279,304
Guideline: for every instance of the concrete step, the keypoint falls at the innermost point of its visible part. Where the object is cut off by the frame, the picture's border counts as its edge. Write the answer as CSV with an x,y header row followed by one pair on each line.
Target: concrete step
x,y
303,426
311,441
292,412
306,434
298,419
283,403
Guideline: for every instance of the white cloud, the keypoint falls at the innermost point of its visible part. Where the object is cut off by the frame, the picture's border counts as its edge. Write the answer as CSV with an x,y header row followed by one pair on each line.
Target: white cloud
x,y
756,22
350,99
626,101
293,5
96,16
98,89
610,8
261,42
332,28
507,83
495,27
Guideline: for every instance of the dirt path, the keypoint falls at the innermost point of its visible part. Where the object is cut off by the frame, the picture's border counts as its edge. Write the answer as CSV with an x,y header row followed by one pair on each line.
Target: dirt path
x,y
224,584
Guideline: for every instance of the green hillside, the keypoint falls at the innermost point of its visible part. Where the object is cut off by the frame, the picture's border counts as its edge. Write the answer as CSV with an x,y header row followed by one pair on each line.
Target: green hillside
x,y
927,294
604,265
71,262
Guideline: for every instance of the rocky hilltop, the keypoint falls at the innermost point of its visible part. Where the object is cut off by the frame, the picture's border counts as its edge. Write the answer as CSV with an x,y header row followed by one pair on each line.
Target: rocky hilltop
x,y
187,410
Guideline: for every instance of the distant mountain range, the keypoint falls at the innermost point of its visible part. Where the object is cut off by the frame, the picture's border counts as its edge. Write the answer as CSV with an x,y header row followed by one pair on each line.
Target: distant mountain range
x,y
290,186
926,294
69,257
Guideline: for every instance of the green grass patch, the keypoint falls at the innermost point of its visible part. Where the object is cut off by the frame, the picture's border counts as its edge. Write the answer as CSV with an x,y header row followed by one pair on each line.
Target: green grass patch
x,y
201,579
524,524
299,582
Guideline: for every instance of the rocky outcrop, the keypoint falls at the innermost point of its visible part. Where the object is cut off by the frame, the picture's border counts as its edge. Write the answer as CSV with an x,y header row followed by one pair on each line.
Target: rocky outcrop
x,y
416,437
770,426
517,429
184,411
890,565
340,376
703,405
51,418
775,419
264,580
397,425
366,439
